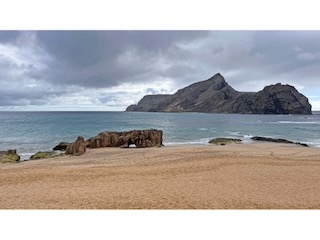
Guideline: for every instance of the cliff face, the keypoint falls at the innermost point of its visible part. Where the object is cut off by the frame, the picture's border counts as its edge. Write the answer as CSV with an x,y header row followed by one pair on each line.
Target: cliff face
x,y
216,96
274,99
211,95
150,103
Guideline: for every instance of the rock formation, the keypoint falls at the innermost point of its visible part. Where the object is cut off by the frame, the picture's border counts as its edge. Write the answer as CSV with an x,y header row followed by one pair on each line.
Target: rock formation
x,y
280,140
224,141
9,156
216,96
61,146
77,148
140,138
42,155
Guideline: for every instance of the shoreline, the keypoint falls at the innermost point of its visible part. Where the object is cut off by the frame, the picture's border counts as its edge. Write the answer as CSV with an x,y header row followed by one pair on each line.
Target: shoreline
x,y
235,176
25,156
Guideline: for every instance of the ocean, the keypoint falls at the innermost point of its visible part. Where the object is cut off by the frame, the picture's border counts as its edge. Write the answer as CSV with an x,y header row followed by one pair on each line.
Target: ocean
x,y
29,132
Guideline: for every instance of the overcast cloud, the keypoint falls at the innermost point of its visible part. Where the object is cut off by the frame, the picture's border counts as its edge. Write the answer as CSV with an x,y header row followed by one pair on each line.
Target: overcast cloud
x,y
109,70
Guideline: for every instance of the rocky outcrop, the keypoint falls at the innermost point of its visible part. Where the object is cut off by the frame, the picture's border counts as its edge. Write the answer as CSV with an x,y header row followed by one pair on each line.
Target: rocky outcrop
x,y
224,141
61,146
139,138
273,99
216,96
77,148
42,155
9,156
279,140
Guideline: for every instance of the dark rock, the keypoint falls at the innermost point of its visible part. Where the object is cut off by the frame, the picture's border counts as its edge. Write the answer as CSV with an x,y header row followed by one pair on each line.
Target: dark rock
x,y
302,144
216,96
274,99
150,103
77,148
279,140
61,146
224,141
42,155
266,139
9,156
140,138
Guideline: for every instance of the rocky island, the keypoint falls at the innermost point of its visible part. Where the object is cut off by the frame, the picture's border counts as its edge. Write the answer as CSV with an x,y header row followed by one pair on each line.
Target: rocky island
x,y
216,96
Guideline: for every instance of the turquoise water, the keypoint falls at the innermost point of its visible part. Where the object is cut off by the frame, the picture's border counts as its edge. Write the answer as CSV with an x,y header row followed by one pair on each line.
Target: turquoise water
x,y
29,132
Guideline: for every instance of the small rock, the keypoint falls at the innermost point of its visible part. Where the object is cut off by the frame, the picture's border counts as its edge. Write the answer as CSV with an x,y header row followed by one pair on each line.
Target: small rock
x,y
61,146
9,156
42,155
224,141
302,144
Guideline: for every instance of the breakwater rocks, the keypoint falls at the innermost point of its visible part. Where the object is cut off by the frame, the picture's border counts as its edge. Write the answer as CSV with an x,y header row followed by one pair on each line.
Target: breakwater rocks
x,y
9,156
279,140
139,138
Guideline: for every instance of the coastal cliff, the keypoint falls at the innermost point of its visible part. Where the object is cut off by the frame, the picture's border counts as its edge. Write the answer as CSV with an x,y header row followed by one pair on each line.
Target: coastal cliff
x,y
216,96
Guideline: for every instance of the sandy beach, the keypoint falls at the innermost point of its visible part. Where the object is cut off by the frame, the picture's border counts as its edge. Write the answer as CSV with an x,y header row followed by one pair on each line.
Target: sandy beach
x,y
236,176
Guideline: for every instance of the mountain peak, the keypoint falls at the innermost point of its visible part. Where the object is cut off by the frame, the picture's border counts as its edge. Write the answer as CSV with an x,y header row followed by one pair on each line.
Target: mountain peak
x,y
216,76
218,81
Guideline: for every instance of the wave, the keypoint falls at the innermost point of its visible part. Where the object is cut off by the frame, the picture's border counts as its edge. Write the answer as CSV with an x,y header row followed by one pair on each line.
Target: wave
x,y
305,129
197,141
313,143
25,156
206,129
234,133
203,129
294,122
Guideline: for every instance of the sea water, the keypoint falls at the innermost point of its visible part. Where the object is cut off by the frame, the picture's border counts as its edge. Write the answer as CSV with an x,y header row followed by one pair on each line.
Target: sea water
x,y
29,132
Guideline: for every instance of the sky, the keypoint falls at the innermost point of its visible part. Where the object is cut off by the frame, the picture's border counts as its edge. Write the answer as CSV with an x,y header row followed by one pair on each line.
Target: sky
x,y
109,70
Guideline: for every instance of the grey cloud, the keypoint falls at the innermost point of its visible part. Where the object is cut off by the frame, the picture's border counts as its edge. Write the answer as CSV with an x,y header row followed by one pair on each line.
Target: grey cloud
x,y
279,47
8,36
151,91
83,48
47,64
20,98
89,58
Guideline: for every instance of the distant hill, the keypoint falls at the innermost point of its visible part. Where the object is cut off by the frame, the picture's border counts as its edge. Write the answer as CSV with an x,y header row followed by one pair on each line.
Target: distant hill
x,y
216,96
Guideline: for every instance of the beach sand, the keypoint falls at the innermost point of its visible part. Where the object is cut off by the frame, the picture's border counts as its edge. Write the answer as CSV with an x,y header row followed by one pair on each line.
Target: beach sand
x,y
236,176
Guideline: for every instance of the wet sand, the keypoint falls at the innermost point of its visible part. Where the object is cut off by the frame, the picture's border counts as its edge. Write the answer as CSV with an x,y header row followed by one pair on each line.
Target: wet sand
x,y
237,176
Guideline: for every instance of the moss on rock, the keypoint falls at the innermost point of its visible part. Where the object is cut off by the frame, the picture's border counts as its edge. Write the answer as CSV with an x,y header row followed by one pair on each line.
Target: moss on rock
x,y
9,156
42,155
